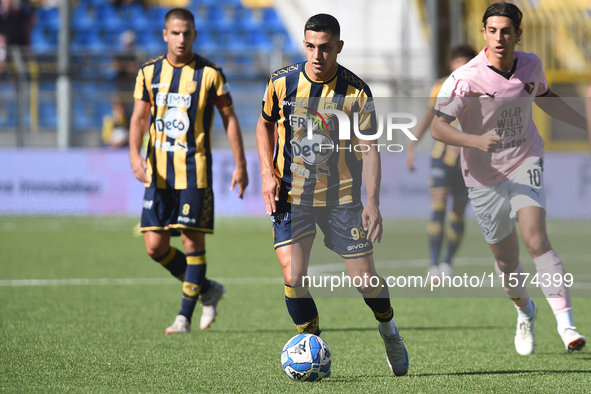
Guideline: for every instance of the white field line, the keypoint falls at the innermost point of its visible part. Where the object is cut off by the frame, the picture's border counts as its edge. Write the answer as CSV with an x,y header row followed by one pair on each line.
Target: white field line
x,y
581,280
129,281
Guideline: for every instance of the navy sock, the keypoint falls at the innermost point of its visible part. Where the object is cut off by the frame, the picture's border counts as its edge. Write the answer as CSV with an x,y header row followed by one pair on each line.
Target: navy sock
x,y
174,261
302,309
194,281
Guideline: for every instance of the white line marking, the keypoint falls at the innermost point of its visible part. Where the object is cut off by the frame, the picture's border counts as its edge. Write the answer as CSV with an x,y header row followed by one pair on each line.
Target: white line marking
x,y
129,281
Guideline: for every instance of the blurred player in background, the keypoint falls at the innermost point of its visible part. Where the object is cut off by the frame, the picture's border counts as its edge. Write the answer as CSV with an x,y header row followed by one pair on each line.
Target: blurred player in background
x,y
446,178
116,125
181,89
502,163
304,186
588,112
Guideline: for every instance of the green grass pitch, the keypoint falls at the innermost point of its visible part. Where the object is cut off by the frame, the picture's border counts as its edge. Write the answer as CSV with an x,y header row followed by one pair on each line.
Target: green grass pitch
x,y
95,320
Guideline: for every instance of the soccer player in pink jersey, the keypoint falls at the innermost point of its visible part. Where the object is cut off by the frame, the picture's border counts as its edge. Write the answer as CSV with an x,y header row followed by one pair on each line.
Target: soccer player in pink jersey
x,y
502,163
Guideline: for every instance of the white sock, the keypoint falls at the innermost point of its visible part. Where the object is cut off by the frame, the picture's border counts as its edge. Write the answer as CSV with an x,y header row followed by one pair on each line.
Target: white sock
x,y
564,320
388,328
527,312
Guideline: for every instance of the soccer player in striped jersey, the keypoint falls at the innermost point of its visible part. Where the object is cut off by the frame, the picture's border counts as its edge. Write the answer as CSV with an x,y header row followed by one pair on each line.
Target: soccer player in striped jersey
x,y
502,163
446,178
180,91
318,180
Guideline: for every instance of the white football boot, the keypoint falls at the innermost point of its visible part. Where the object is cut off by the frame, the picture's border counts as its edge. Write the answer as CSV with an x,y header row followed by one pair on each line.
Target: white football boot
x,y
573,340
433,275
210,303
180,326
445,269
525,336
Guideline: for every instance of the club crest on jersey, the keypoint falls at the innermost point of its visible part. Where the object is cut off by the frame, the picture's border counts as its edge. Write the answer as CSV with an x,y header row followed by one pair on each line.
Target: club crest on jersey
x,y
330,105
175,123
529,87
191,87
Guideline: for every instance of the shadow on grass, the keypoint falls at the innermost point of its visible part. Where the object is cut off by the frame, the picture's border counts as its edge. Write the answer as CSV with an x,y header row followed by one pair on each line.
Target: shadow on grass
x,y
539,371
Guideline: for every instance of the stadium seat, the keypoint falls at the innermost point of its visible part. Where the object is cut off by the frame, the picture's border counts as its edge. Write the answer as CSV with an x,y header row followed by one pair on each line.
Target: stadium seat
x,y
82,19
271,20
245,20
135,17
39,41
107,18
150,41
47,114
258,41
156,15
218,17
8,111
47,18
204,43
94,42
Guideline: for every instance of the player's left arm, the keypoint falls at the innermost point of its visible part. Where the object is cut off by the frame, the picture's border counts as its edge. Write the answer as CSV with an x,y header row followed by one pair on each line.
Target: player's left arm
x,y
240,175
372,176
554,105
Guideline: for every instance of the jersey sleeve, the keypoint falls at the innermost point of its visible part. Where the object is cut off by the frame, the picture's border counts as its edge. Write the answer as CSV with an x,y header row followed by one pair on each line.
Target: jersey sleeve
x,y
543,87
141,91
270,111
367,113
220,91
451,98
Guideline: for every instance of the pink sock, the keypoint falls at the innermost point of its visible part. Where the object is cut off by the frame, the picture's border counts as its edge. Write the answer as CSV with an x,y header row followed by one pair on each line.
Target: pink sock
x,y
550,274
518,293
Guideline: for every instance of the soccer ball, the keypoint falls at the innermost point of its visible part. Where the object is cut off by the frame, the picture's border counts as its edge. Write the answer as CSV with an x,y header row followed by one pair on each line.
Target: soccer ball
x,y
306,357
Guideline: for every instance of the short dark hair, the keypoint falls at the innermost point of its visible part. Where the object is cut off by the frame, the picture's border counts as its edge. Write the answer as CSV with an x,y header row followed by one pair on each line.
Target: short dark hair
x,y
508,10
463,50
323,23
179,13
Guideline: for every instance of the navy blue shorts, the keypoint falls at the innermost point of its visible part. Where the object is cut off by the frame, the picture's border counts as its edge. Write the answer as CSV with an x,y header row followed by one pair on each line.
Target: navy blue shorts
x,y
341,226
446,175
169,209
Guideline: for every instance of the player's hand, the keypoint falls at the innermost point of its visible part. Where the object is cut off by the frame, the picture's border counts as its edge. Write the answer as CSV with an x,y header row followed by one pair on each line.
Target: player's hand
x,y
271,187
410,159
240,178
371,218
489,141
138,166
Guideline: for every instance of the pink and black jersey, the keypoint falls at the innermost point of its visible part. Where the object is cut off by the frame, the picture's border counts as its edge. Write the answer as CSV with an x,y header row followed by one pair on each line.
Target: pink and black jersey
x,y
484,98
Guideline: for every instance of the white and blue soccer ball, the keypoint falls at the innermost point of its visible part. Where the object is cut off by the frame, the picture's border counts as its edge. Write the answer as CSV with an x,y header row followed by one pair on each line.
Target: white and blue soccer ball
x,y
306,357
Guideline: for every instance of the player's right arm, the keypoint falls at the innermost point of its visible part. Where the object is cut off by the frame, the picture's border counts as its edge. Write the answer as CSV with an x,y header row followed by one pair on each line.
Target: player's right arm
x,y
137,126
451,101
265,133
441,130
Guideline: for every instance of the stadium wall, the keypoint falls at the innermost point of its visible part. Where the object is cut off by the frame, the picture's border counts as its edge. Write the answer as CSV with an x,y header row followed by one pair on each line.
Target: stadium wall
x,y
99,182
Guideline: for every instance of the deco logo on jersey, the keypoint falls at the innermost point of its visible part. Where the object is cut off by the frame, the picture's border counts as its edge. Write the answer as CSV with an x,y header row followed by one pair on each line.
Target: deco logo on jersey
x,y
173,100
314,151
175,123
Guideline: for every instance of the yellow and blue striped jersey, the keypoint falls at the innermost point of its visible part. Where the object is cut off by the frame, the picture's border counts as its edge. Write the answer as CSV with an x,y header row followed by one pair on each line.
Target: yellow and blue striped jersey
x,y
311,173
182,102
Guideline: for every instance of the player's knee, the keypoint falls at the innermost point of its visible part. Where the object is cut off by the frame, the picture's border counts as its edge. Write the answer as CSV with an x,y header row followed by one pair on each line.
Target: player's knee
x,y
538,245
156,250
